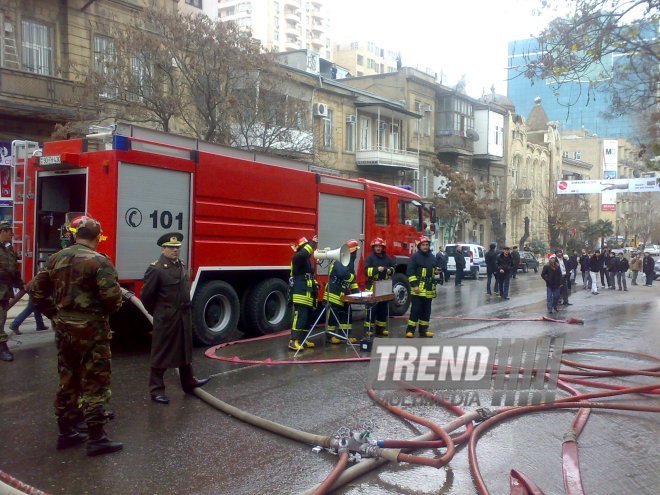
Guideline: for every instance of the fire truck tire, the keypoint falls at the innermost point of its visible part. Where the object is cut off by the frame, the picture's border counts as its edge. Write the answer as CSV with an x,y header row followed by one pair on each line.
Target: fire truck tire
x,y
215,309
401,288
266,308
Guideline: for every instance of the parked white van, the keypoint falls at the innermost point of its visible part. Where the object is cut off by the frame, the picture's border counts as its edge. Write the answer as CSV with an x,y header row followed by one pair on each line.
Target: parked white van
x,y
474,258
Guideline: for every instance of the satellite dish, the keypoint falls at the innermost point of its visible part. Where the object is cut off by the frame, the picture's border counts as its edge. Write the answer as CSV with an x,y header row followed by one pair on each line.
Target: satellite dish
x,y
472,134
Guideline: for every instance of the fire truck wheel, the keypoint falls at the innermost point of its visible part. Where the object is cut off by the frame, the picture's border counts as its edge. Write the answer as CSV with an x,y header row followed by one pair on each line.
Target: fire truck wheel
x,y
401,288
215,310
266,307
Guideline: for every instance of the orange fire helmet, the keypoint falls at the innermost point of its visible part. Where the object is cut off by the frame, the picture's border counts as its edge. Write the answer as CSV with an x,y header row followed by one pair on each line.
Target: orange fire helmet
x,y
378,241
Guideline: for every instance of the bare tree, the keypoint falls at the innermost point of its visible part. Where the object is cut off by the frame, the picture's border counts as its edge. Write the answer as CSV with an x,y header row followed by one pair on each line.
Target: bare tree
x,y
609,44
460,199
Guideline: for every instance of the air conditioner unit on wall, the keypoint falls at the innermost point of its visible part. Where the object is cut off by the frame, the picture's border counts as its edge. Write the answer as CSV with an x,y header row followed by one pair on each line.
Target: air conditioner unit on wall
x,y
351,119
320,110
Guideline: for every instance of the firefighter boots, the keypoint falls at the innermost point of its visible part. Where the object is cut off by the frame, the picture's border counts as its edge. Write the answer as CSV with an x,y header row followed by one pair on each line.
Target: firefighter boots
x,y
99,443
294,345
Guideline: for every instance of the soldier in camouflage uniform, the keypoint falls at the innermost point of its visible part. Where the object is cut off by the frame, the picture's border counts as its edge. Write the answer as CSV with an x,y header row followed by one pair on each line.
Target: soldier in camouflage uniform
x,y
10,278
78,290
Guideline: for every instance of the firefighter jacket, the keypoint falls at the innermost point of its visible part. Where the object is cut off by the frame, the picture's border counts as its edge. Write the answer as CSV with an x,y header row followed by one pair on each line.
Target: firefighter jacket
x,y
341,281
304,288
421,271
371,265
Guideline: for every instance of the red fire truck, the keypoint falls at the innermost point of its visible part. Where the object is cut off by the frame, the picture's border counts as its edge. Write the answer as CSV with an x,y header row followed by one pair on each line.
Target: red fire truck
x,y
239,211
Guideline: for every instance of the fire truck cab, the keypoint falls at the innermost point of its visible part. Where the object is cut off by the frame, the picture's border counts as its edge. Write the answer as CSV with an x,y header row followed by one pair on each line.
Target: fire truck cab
x,y
238,210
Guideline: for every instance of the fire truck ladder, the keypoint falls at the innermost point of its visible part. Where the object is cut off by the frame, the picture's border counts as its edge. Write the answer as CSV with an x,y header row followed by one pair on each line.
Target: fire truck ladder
x,y
22,189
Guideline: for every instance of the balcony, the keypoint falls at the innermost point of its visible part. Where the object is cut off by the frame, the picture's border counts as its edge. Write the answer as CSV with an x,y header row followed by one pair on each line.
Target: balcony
x,y
522,196
378,156
292,17
453,144
27,94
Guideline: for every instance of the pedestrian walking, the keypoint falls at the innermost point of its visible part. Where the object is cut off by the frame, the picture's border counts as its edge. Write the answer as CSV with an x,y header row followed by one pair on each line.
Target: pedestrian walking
x,y
491,266
303,292
604,280
612,269
10,279
166,296
622,268
421,276
78,290
551,273
573,259
564,266
504,268
29,309
648,267
515,257
635,267
459,259
584,269
441,260
595,267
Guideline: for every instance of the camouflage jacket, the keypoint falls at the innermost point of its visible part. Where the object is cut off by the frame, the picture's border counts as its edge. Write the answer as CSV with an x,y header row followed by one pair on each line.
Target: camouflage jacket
x,y
10,276
77,280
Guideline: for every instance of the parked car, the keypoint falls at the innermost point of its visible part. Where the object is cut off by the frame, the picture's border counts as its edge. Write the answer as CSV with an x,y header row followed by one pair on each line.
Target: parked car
x,y
653,249
474,255
528,262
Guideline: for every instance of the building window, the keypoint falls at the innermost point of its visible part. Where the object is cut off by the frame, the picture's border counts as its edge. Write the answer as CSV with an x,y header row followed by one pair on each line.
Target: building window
x,y
365,134
425,184
426,120
104,63
195,3
381,210
371,63
354,46
349,138
577,155
37,47
139,83
498,130
564,154
327,130
360,60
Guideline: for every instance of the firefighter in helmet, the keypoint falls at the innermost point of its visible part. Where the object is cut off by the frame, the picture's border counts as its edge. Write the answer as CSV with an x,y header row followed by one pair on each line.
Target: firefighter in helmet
x,y
303,291
341,281
378,266
421,275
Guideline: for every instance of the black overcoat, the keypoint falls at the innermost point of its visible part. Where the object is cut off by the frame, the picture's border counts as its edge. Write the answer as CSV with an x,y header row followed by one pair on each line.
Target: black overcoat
x,y
166,295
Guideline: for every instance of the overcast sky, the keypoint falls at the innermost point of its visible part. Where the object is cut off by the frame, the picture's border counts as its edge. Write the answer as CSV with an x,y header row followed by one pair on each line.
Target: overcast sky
x,y
454,37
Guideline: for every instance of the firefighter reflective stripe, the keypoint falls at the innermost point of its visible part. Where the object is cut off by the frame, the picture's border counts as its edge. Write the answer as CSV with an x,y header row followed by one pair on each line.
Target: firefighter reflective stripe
x,y
414,281
308,248
370,271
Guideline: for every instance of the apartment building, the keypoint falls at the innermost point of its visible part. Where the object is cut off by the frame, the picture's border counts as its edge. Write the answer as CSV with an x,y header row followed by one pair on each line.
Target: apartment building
x,y
365,58
282,25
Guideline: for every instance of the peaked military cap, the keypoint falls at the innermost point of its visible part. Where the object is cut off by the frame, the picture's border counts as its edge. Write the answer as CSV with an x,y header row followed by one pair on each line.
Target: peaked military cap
x,y
5,226
171,239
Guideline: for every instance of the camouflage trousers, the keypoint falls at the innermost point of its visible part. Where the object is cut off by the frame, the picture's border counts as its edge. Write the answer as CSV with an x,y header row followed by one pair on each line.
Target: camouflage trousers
x,y
3,320
84,367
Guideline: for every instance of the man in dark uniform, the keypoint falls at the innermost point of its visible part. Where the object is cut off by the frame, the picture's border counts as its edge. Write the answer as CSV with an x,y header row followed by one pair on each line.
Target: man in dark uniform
x,y
341,281
10,278
491,267
78,290
441,260
166,295
304,291
515,257
459,259
378,266
421,276
504,267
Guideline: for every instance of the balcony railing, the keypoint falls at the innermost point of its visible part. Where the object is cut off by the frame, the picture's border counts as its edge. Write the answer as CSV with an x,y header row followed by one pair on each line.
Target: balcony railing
x,y
522,195
387,157
454,144
37,93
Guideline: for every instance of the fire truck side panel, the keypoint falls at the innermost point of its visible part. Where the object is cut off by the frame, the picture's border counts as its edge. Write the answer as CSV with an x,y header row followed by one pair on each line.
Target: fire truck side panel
x,y
151,202
247,214
340,218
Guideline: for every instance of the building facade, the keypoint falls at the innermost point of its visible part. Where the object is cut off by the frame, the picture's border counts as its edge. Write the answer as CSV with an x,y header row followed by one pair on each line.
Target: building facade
x,y
282,25
365,58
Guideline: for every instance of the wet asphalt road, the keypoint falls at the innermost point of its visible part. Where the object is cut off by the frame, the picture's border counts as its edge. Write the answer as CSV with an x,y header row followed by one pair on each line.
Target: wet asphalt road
x,y
187,447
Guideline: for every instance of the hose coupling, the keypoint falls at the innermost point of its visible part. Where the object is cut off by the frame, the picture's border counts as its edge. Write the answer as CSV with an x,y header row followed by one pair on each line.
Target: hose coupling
x,y
484,413
343,446
570,436
369,450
